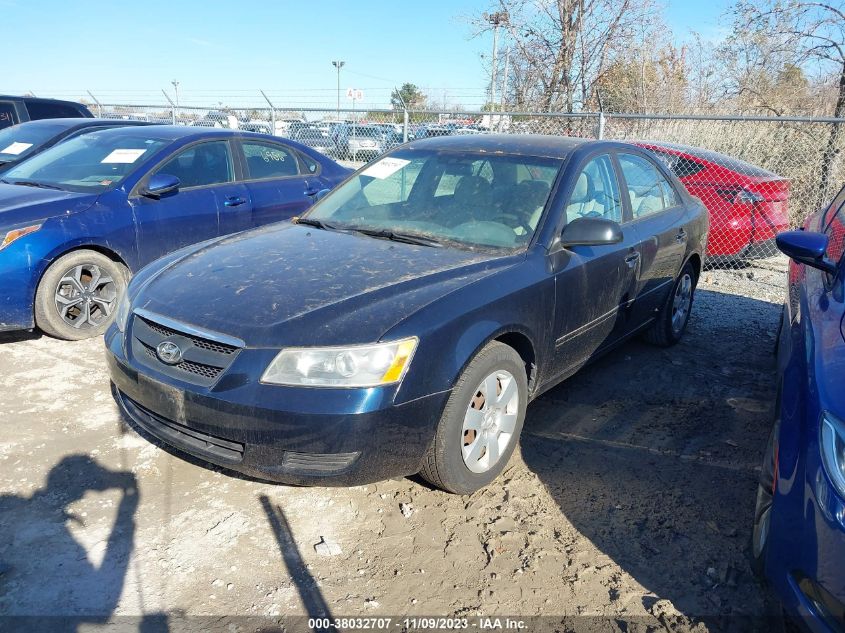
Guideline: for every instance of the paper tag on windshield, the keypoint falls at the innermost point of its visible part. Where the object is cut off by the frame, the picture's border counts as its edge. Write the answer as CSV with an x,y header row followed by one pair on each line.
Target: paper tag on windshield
x,y
385,167
16,148
123,156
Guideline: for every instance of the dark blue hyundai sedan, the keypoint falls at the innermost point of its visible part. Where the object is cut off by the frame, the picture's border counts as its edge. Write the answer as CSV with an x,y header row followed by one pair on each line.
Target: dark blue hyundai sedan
x,y
403,324
78,218
799,527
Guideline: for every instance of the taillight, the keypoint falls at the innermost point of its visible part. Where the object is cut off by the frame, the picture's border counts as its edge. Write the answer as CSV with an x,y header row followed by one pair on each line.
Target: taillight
x,y
739,195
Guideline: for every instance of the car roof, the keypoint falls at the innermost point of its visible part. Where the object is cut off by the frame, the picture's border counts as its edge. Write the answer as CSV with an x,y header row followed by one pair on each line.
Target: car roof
x,y
175,132
528,144
717,158
40,100
79,122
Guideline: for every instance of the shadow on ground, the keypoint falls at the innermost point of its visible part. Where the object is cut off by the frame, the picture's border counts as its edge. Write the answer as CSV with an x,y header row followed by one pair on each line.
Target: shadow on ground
x,y
652,453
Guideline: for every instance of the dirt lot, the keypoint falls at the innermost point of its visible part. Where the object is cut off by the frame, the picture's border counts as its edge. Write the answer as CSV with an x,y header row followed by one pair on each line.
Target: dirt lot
x,y
630,500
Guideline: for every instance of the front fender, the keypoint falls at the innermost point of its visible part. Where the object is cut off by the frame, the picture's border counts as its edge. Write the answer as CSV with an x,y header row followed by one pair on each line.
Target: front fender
x,y
453,329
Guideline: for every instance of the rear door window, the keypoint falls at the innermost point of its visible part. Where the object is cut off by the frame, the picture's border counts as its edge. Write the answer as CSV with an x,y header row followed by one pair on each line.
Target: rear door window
x,y
7,114
269,160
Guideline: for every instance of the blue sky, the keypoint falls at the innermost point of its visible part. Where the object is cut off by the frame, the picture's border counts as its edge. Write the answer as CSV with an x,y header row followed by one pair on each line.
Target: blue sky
x,y
226,51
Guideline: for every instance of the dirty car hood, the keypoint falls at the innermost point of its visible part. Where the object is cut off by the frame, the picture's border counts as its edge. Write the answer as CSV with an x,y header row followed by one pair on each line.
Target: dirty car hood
x,y
295,285
19,204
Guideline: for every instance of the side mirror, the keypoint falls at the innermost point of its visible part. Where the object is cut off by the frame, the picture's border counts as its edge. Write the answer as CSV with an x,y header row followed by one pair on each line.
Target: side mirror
x,y
806,247
160,185
590,232
321,194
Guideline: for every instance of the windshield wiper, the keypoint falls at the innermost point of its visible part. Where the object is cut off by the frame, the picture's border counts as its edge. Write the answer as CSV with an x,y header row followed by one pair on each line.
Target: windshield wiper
x,y
398,236
32,183
318,224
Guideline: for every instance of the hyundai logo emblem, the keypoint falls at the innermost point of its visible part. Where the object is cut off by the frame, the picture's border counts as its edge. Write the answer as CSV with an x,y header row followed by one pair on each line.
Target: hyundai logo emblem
x,y
169,353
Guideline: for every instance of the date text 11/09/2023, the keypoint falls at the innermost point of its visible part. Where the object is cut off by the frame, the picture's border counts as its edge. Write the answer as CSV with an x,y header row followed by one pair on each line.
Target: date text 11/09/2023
x,y
417,624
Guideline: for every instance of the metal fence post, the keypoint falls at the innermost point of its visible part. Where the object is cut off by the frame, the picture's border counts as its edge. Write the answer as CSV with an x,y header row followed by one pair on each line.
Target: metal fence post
x,y
172,106
99,105
272,113
600,134
405,119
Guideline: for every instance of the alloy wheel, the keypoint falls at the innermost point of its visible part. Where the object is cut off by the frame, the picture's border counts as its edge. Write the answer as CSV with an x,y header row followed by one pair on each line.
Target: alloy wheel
x,y
490,421
85,296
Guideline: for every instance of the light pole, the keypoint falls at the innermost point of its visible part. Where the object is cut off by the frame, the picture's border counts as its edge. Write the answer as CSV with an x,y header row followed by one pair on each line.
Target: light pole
x,y
338,64
176,90
497,19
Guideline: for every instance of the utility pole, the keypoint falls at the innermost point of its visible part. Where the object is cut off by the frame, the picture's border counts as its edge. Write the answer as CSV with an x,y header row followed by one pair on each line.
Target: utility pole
x,y
176,90
338,64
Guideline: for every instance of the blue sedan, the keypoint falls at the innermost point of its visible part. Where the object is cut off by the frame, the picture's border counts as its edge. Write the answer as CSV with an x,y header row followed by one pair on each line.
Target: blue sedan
x,y
77,219
403,324
799,529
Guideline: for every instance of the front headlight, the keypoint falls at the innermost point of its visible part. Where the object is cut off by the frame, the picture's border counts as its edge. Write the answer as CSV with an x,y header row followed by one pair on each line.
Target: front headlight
x,y
833,450
122,315
15,234
352,366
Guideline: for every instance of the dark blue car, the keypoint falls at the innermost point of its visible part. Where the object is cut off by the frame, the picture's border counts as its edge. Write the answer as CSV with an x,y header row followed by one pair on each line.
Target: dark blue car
x,y
799,528
25,140
78,218
405,322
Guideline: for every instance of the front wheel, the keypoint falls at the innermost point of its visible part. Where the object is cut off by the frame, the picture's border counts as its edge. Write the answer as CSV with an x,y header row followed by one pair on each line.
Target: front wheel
x,y
672,320
78,295
765,501
481,422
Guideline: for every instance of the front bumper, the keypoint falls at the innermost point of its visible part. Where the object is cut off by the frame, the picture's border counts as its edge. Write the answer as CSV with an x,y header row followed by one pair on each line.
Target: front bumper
x,y
293,435
18,279
805,567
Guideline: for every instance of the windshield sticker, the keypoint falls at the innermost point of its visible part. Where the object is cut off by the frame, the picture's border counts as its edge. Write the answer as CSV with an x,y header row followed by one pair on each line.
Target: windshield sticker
x,y
385,167
123,156
16,148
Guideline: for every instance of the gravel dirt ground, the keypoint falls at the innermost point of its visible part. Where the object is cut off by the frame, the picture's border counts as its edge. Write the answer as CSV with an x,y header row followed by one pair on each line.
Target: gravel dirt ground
x,y
629,500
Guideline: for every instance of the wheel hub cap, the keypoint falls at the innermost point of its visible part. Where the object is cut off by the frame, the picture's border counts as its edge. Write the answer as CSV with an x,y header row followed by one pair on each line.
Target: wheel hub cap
x,y
490,421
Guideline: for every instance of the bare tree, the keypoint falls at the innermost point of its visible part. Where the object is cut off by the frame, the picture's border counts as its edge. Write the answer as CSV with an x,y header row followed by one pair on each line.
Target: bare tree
x,y
785,36
561,47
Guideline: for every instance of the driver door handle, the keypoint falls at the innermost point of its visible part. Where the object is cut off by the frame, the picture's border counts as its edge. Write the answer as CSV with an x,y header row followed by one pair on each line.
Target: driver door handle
x,y
234,201
632,259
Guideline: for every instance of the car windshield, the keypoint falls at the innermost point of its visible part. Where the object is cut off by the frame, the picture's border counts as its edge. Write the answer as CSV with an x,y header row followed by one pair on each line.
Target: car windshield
x,y
88,163
461,199
21,140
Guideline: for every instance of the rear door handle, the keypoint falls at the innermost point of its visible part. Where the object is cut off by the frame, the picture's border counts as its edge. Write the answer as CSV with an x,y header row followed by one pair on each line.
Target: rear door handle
x,y
311,191
234,201
632,259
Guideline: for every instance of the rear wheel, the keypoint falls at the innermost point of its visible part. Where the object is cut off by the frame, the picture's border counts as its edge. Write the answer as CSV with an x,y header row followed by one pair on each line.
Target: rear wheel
x,y
674,315
481,422
78,295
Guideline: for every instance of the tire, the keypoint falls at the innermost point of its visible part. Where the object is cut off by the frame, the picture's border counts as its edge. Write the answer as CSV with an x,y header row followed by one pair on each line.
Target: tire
x,y
760,530
669,326
459,458
78,295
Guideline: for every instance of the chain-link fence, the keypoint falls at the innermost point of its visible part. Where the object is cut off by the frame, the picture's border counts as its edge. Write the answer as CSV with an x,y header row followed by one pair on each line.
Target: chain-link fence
x,y
757,176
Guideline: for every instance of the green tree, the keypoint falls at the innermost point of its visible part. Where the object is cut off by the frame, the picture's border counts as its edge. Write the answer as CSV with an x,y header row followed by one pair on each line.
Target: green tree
x,y
408,96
